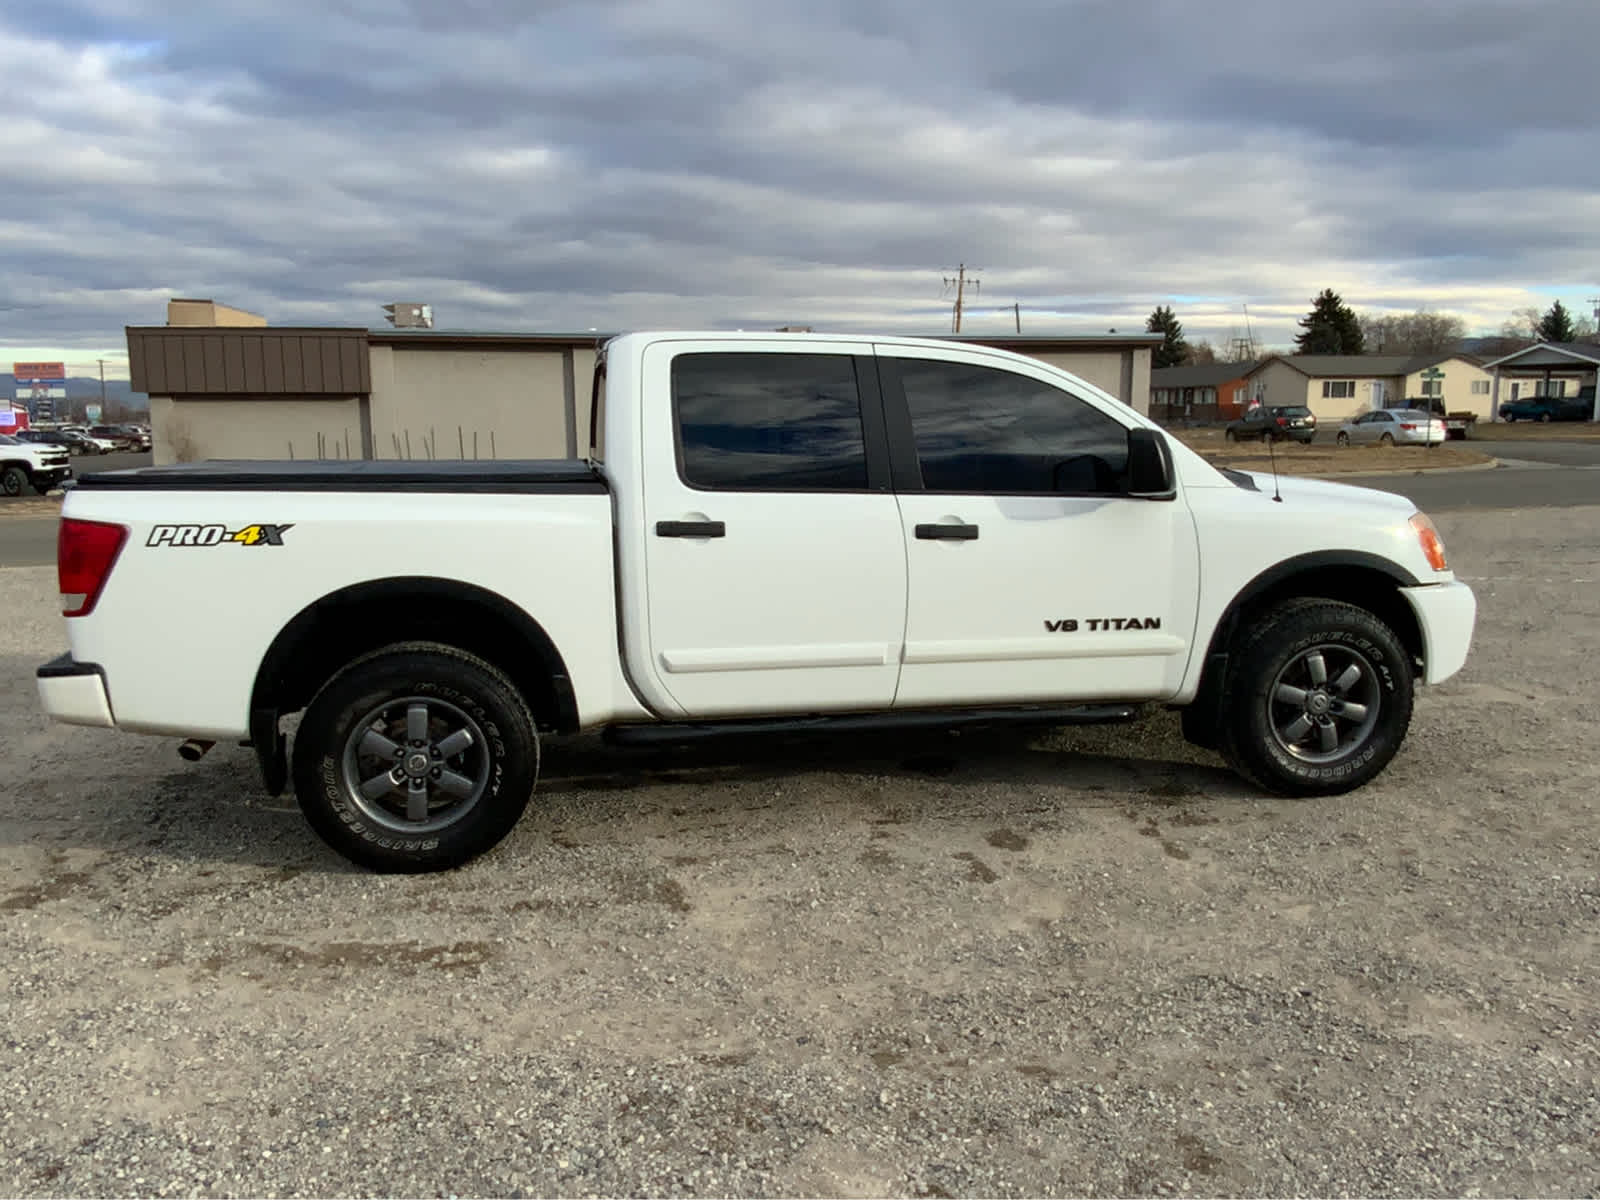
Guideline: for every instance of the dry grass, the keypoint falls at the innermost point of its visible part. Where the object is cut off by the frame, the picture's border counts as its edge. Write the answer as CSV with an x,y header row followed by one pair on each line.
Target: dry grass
x,y
1327,458
1534,431
30,506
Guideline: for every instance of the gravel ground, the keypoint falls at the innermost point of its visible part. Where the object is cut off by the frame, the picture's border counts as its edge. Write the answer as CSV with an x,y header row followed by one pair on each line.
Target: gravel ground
x,y
1079,963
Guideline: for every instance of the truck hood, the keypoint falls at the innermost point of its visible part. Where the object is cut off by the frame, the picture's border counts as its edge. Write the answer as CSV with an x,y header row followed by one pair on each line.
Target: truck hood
x,y
1325,494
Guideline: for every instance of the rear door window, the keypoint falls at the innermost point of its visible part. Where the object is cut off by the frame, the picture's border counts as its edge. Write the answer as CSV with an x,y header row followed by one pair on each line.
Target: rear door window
x,y
769,422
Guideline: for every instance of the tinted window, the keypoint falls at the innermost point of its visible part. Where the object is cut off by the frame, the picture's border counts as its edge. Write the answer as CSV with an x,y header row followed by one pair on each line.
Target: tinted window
x,y
981,429
775,422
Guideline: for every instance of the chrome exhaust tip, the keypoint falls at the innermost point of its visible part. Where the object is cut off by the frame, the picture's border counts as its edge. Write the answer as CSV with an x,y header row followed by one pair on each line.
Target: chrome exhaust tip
x,y
194,749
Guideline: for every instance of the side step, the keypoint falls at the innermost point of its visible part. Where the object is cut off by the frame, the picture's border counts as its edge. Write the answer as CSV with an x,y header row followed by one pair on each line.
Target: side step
x,y
704,731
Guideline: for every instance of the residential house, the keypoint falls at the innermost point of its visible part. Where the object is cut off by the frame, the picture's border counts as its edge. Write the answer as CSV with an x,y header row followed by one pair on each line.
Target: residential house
x,y
1203,392
1336,386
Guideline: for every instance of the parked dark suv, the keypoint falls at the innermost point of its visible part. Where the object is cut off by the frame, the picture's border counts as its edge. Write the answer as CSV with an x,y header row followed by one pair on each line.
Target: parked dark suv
x,y
1274,422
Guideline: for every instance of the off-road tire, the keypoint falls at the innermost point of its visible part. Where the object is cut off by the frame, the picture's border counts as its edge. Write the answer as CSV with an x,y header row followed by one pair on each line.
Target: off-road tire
x,y
13,481
452,682
1254,744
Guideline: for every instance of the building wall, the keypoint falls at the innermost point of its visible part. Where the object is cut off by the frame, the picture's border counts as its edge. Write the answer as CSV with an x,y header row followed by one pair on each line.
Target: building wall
x,y
1104,369
267,428
1231,399
1459,376
513,401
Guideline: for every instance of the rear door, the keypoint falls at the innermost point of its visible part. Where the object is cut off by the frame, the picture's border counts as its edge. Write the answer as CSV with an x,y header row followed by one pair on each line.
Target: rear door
x,y
1032,575
775,566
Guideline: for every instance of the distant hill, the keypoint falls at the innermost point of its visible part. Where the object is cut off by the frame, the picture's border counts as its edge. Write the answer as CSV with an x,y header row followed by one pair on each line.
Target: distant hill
x,y
83,389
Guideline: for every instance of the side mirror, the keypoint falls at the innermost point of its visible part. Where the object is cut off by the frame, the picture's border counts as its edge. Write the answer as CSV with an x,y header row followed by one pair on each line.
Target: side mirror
x,y
1150,475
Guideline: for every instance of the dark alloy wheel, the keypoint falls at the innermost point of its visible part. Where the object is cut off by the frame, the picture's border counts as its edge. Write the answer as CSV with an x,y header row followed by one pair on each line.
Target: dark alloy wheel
x,y
418,757
1317,700
13,481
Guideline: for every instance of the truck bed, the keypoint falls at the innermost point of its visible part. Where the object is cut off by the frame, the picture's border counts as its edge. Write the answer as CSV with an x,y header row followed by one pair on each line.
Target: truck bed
x,y
560,476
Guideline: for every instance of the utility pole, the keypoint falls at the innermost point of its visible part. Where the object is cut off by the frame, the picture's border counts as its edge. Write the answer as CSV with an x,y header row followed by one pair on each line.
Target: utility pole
x,y
1017,309
102,363
960,282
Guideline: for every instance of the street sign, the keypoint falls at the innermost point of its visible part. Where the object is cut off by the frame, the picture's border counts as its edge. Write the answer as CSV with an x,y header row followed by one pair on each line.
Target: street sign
x,y
31,371
92,411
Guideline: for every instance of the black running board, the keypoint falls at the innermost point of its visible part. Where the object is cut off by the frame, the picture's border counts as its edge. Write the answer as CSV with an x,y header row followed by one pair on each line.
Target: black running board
x,y
699,731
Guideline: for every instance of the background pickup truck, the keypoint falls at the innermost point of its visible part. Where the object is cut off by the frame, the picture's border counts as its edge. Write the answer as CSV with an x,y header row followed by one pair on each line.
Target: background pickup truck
x,y
27,464
1548,408
769,532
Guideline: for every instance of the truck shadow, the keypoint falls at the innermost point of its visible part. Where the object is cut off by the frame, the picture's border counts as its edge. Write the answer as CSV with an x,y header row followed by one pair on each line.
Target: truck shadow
x,y
215,813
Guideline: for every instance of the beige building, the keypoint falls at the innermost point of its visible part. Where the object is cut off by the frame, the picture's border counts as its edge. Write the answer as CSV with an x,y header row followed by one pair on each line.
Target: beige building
x,y
1337,386
238,389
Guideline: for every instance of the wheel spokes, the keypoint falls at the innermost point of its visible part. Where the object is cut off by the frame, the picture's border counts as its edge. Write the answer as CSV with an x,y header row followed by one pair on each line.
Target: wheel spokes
x,y
375,744
417,722
1297,728
453,745
417,800
1289,694
1347,680
454,784
1318,668
1353,712
1330,736
381,785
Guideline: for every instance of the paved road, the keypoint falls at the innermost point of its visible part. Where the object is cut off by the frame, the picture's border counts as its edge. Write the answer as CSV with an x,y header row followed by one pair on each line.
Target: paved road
x,y
1557,474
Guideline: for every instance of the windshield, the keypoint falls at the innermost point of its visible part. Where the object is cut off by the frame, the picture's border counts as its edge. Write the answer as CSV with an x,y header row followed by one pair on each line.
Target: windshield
x,y
7,440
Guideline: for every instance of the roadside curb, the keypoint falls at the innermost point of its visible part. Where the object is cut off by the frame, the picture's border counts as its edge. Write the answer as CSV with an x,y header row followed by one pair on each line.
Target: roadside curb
x,y
1483,466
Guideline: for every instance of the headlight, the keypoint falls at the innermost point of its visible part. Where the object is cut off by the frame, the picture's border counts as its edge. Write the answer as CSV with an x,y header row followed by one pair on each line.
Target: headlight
x,y
1430,541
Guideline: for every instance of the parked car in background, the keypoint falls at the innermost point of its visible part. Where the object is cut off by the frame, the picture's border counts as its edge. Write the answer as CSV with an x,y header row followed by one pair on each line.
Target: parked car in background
x,y
120,435
25,464
75,442
1274,423
1549,408
1392,427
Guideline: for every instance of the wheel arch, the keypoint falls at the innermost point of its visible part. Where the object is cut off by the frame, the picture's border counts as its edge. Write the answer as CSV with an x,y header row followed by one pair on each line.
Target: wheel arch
x,y
334,630
1368,581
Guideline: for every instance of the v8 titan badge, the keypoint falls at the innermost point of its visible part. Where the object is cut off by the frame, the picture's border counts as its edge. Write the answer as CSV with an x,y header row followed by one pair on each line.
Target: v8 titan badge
x,y
217,535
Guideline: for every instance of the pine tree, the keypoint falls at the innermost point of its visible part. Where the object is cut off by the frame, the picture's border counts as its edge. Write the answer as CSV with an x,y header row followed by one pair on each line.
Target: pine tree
x,y
1173,352
1556,325
1331,327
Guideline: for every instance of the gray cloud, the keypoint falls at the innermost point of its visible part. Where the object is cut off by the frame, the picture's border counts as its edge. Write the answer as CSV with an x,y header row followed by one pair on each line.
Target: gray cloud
x,y
717,162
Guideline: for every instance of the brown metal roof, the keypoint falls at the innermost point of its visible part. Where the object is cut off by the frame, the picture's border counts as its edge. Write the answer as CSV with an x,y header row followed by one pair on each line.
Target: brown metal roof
x,y
243,361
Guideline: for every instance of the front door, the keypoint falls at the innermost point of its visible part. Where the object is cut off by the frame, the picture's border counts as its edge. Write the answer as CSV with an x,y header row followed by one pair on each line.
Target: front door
x,y
1031,575
775,569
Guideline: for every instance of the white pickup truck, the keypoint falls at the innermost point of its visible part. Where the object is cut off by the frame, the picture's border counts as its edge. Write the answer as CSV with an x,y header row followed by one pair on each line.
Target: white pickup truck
x,y
769,532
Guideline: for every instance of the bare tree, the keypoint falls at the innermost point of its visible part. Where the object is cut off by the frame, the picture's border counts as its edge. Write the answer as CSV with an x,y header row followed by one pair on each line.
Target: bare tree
x,y
1420,332
1201,353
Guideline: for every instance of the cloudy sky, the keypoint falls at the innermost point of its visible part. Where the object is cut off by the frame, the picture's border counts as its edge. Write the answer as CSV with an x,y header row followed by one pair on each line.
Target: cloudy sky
x,y
539,165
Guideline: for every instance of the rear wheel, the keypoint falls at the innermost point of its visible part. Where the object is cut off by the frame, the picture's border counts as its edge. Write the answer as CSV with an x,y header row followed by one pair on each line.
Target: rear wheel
x,y
1228,435
1343,439
1543,417
1387,439
1317,700
415,758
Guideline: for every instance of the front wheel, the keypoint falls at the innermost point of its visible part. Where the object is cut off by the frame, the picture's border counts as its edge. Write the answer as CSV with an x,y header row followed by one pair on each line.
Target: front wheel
x,y
1229,435
13,481
1318,699
1544,417
417,757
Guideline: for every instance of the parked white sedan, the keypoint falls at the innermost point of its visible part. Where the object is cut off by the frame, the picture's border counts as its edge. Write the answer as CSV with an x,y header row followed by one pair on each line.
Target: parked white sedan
x,y
1392,427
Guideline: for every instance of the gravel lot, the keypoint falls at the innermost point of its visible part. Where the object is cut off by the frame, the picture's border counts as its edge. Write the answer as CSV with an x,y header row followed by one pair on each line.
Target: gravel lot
x,y
1079,963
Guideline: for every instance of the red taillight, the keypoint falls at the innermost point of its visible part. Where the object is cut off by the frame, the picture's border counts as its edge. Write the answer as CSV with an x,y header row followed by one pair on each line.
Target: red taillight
x,y
85,553
1407,427
1283,420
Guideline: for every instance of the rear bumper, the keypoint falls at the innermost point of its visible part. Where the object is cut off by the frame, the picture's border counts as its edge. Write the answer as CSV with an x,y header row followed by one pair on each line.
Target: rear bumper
x,y
74,693
1447,613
